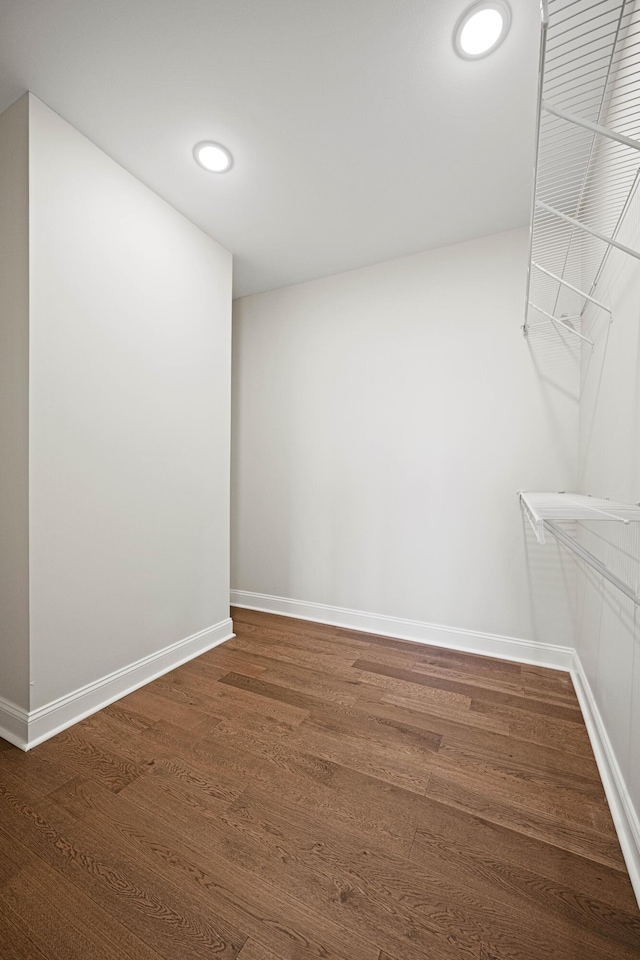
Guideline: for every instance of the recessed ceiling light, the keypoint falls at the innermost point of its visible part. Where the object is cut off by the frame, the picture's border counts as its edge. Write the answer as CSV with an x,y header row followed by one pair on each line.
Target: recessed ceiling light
x,y
482,28
213,156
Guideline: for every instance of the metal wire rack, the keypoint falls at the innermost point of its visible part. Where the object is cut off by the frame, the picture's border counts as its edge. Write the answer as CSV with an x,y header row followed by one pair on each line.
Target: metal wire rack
x,y
544,510
587,164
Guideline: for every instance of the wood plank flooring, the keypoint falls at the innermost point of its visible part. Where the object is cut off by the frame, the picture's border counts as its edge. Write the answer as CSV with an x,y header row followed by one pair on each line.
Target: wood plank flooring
x,y
308,792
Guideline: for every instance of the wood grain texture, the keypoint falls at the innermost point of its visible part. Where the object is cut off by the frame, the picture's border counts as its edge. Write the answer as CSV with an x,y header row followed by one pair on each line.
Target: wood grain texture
x,y
16,944
305,791
38,899
252,950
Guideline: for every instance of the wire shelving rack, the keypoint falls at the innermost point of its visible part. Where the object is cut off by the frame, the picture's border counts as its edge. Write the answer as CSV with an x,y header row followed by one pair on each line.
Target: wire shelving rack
x,y
587,164
545,510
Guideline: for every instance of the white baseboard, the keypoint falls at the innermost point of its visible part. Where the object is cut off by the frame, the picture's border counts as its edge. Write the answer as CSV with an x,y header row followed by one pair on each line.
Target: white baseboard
x,y
469,641
28,729
14,723
624,815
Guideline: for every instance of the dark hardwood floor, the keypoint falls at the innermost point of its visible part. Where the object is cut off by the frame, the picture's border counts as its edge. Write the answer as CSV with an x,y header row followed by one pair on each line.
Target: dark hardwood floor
x,y
309,792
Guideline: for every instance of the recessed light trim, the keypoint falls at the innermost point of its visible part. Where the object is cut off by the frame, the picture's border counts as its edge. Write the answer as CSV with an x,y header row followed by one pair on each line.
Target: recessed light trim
x,y
212,157
481,29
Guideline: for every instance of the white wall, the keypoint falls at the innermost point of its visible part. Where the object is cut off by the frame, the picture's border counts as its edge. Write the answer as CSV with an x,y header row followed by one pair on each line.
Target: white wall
x,y
608,634
129,417
14,404
383,421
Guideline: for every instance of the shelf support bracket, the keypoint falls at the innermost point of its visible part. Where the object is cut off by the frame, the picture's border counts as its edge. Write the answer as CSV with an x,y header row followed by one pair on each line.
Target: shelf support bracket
x,y
537,523
589,125
582,226
565,283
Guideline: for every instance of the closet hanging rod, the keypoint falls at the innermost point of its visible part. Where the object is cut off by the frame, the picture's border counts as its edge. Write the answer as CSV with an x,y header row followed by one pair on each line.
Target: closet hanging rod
x,y
566,283
589,125
583,226
589,558
560,323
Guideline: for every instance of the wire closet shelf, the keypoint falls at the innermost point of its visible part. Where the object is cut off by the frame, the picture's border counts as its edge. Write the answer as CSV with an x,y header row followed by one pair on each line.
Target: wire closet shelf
x,y
587,162
544,510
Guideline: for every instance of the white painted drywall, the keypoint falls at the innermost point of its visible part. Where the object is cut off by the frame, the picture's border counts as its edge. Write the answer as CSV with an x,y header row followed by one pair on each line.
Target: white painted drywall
x,y
129,417
14,404
383,421
608,623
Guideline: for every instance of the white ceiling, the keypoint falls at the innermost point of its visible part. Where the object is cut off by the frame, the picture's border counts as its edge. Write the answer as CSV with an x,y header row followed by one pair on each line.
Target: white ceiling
x,y
358,134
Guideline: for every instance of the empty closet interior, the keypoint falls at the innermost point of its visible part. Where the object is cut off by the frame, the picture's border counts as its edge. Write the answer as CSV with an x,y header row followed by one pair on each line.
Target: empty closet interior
x,y
320,479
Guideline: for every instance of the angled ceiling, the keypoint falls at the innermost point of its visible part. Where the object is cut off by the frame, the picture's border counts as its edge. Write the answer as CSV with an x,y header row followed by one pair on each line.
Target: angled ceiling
x,y
358,134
